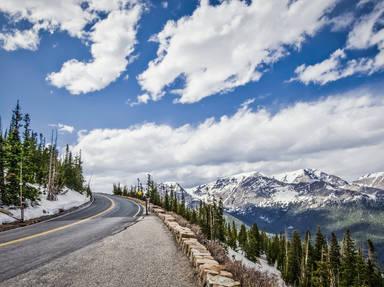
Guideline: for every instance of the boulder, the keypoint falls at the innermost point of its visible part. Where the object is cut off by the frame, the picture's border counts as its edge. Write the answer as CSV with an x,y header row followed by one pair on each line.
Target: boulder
x,y
220,281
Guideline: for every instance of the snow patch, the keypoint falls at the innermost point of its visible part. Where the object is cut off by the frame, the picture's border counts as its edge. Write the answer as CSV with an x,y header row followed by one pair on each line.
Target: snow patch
x,y
65,201
261,265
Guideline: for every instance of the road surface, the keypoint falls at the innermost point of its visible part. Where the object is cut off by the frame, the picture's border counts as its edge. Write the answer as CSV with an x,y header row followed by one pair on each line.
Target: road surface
x,y
29,247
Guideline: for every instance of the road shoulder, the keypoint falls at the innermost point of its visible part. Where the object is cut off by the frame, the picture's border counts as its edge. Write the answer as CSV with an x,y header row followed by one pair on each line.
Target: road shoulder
x,y
144,254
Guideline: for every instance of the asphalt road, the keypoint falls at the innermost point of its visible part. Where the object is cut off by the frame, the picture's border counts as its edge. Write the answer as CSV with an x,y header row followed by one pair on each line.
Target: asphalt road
x,y
29,247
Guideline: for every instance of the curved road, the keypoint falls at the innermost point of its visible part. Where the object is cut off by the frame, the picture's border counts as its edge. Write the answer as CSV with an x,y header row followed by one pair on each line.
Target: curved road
x,y
25,248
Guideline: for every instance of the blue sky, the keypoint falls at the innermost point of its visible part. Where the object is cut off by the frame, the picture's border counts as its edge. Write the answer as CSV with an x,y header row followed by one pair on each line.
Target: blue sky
x,y
214,75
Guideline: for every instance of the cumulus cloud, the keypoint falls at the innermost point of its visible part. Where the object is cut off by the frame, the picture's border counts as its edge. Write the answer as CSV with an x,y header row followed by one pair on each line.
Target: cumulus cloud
x,y
27,39
112,37
367,32
334,68
224,46
341,134
62,128
113,40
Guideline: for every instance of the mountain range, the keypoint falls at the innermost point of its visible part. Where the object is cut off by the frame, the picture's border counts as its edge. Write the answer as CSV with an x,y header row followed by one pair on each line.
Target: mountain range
x,y
301,200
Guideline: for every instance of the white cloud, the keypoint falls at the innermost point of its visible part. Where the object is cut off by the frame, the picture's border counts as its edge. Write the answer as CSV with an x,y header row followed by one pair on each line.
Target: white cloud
x,y
334,68
363,35
113,40
342,21
50,15
141,99
62,128
247,103
27,39
224,46
341,134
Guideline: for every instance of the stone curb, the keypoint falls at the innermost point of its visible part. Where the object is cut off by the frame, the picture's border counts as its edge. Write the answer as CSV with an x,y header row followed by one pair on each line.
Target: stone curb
x,y
209,272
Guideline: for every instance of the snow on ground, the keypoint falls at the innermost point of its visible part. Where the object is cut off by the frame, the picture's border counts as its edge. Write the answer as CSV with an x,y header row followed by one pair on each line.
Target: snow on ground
x,y
262,266
65,201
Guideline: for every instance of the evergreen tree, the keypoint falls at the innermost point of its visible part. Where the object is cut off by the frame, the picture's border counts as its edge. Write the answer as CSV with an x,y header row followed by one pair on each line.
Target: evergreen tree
x,y
26,159
13,149
219,221
167,204
182,204
348,261
242,238
373,275
234,234
253,245
2,180
320,244
334,261
321,274
28,152
307,262
361,270
294,260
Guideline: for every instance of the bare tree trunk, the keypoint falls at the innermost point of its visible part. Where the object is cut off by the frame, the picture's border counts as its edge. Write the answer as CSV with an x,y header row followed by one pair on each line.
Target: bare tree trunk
x,y
52,169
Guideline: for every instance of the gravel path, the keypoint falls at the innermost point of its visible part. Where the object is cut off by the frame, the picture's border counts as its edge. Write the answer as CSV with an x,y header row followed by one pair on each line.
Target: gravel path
x,y
144,254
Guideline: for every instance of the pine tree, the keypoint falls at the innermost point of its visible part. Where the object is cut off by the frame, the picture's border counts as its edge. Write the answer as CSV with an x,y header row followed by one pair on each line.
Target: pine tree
x,y
28,155
373,276
174,202
321,274
307,262
2,180
348,261
219,221
167,204
334,261
13,149
294,260
182,204
242,238
281,256
253,245
273,250
234,234
320,244
361,270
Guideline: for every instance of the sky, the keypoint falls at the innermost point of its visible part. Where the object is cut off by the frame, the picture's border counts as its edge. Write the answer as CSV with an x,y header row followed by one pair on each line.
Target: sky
x,y
194,90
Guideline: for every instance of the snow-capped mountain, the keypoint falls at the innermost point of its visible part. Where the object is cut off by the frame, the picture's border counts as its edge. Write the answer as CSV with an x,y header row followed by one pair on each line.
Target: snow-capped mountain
x,y
302,200
305,188
372,180
308,175
180,192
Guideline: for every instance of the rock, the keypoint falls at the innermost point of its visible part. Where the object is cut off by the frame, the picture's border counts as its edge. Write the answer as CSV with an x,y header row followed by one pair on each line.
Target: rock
x,y
202,261
226,274
220,281
157,210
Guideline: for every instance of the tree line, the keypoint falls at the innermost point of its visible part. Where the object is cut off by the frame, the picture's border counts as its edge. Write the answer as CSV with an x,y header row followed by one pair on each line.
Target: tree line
x,y
307,262
27,159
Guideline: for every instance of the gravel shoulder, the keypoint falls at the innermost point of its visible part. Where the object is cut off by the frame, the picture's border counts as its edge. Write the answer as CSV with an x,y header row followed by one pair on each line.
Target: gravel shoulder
x,y
145,254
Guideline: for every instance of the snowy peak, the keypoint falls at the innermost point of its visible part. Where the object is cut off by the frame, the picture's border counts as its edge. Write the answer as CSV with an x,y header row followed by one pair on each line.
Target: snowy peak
x,y
306,188
178,190
308,175
375,180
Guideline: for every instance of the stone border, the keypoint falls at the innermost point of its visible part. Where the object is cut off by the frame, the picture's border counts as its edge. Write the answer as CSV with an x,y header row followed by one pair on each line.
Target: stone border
x,y
210,273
